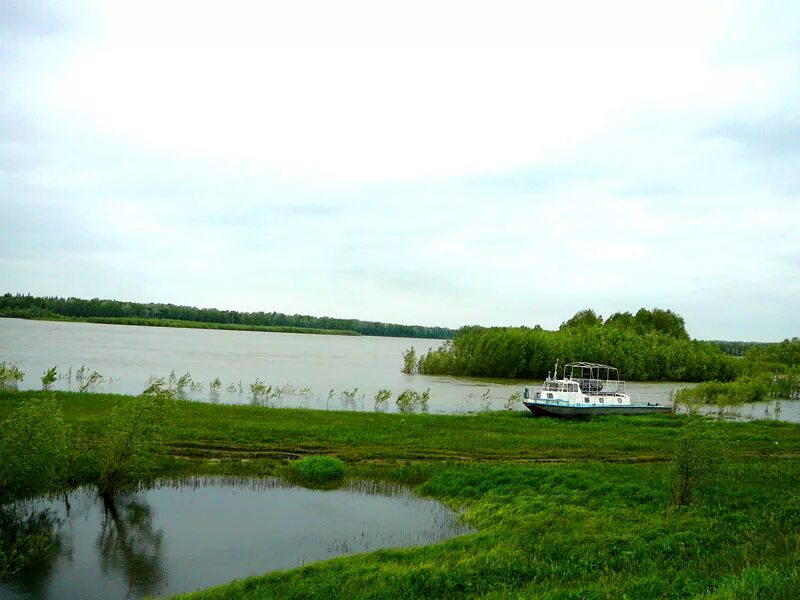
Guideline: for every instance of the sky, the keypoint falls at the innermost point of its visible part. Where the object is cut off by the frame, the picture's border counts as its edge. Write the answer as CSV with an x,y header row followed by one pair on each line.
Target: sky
x,y
418,162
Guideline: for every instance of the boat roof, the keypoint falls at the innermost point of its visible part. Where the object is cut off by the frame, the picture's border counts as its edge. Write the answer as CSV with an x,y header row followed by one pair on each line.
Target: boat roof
x,y
589,365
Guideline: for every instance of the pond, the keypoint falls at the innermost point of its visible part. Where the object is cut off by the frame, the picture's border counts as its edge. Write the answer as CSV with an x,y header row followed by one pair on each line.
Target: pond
x,y
307,371
178,537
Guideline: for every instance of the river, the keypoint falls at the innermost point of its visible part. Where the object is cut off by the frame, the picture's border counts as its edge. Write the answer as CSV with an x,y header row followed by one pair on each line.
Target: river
x,y
302,370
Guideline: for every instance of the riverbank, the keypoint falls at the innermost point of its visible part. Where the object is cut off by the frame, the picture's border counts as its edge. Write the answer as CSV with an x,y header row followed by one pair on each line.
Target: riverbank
x,y
145,322
564,509
25,306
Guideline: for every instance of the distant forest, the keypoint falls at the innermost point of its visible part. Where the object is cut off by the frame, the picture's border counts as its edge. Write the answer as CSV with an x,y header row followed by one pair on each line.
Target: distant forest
x,y
33,307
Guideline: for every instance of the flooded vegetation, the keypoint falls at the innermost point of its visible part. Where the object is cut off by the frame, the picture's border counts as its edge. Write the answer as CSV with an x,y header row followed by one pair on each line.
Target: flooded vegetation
x,y
190,534
673,504
239,367
654,506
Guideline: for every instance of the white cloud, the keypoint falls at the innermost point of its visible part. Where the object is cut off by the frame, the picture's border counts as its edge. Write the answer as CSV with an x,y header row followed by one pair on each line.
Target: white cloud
x,y
431,162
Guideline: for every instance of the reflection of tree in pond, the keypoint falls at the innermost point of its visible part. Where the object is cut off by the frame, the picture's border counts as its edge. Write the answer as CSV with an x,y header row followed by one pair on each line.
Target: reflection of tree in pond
x,y
29,546
128,544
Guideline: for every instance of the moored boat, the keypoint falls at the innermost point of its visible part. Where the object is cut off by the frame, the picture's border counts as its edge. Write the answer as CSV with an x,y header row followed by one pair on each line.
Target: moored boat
x,y
585,389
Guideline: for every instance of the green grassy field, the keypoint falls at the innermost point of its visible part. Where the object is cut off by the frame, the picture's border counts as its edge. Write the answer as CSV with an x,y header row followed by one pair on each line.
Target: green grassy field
x,y
564,509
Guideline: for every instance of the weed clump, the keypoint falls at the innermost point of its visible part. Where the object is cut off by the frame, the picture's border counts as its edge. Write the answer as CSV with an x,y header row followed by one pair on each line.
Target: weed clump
x,y
317,470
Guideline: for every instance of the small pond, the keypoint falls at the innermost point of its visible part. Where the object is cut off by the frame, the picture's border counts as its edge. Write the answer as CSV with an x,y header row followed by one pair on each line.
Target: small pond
x,y
178,537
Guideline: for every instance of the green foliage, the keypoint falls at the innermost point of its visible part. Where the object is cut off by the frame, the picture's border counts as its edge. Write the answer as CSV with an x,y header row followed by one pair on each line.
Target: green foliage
x,y
215,386
34,449
182,383
786,353
317,470
735,348
650,346
49,378
582,319
409,361
10,374
513,401
747,388
259,390
381,398
698,457
408,399
170,315
348,396
132,443
87,380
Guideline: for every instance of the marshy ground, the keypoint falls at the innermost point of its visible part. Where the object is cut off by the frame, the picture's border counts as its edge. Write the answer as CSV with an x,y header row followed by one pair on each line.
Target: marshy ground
x,y
564,509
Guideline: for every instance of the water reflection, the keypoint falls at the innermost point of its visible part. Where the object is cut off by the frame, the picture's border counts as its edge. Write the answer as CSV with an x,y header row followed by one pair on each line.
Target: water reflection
x,y
129,544
29,546
194,533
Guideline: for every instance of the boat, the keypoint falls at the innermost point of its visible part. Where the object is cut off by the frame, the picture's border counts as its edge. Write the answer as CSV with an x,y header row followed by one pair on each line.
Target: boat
x,y
585,389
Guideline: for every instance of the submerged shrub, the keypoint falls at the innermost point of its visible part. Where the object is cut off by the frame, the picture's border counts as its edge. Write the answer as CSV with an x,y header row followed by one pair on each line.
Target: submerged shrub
x,y
10,374
317,470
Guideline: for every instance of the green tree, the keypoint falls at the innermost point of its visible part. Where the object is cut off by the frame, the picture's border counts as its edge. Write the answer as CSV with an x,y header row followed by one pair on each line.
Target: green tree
x,y
582,319
132,445
34,449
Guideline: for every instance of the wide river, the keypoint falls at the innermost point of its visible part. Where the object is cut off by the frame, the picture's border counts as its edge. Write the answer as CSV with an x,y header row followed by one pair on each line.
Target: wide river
x,y
307,371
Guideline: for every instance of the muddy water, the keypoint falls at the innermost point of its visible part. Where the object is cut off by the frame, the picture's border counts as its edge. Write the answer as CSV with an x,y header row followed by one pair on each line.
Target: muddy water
x,y
309,371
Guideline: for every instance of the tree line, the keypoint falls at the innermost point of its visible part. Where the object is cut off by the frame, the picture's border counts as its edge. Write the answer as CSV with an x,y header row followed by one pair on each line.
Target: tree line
x,y
37,307
651,345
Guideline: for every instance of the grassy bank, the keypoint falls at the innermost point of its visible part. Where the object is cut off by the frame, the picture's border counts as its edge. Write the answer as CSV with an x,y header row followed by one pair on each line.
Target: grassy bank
x,y
151,322
564,509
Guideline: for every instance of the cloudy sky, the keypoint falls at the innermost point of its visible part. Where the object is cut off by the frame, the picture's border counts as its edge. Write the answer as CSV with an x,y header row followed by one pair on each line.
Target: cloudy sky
x,y
438,163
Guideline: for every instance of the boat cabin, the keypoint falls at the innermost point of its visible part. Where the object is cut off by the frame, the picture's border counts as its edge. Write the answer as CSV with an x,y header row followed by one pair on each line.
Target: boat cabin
x,y
582,384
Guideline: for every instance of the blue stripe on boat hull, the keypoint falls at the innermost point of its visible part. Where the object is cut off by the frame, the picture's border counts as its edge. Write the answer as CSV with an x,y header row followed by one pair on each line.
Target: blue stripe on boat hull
x,y
555,410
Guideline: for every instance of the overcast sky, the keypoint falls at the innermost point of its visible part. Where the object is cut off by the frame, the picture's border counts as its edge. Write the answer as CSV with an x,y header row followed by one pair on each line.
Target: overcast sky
x,y
438,163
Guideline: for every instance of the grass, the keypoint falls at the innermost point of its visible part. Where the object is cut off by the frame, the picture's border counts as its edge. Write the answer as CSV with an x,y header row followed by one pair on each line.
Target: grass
x,y
317,471
565,510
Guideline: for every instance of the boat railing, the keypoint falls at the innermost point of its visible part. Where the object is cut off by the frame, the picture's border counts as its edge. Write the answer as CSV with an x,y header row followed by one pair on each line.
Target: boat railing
x,y
601,386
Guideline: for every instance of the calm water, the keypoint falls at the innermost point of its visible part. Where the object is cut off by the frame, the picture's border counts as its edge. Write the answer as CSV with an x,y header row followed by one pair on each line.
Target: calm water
x,y
177,538
312,371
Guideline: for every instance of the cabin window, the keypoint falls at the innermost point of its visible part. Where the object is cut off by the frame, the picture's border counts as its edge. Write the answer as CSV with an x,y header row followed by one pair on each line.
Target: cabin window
x,y
619,400
549,395
602,400
586,399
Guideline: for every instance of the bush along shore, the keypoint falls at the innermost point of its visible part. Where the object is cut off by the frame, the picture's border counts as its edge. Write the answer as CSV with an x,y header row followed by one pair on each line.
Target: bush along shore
x,y
615,507
651,345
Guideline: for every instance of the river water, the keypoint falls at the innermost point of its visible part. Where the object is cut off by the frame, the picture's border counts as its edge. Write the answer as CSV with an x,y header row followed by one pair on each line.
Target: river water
x,y
303,370
190,535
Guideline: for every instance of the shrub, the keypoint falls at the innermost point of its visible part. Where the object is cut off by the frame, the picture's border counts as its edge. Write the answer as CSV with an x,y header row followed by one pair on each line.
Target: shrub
x,y
34,449
132,444
699,455
49,378
317,470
